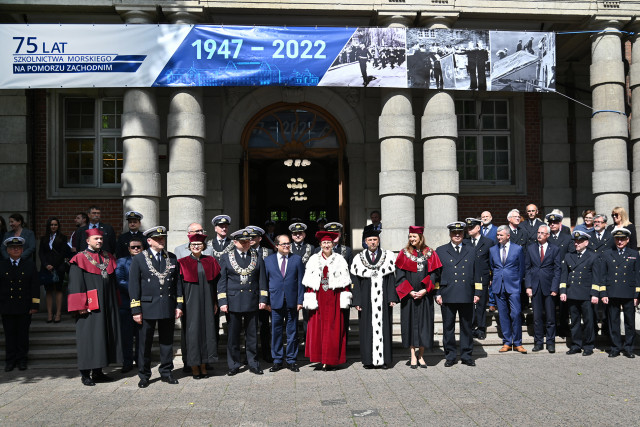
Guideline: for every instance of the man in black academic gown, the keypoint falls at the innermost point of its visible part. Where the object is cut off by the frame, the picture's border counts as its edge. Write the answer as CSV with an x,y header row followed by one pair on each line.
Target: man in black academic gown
x,y
374,295
242,292
19,299
92,276
156,298
133,222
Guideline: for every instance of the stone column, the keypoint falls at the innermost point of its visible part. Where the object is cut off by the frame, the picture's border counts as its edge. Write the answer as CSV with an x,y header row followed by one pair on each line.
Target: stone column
x,y
186,179
397,186
635,124
140,134
439,132
14,161
611,180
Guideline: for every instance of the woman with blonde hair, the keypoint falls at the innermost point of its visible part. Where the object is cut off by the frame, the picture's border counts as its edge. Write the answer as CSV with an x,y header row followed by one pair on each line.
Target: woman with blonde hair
x,y
620,219
416,277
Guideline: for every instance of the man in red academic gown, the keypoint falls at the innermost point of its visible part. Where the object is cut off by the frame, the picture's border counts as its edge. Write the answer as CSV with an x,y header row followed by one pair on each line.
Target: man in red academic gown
x,y
93,298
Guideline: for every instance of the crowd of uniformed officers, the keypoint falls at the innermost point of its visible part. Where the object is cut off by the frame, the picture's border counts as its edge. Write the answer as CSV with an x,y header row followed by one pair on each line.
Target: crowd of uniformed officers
x,y
569,280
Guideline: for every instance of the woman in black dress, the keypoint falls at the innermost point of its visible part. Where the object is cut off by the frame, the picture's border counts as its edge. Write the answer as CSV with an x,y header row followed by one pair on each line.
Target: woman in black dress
x,y
416,274
620,219
54,253
199,274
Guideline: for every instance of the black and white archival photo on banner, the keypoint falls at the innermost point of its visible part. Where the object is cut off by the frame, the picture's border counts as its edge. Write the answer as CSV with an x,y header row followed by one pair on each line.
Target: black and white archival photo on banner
x,y
373,57
523,61
447,59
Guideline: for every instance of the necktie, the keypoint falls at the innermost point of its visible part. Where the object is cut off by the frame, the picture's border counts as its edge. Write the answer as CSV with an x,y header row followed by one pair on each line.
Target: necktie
x,y
15,263
504,254
158,258
373,257
283,265
243,255
541,253
485,230
515,231
579,255
92,226
458,249
620,253
298,248
599,236
473,242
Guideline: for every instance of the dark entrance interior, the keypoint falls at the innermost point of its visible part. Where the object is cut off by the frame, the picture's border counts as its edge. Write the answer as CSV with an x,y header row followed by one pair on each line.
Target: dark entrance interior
x,y
280,192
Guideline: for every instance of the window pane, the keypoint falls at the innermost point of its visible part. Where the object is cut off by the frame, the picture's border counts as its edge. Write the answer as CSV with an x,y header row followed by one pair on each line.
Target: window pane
x,y
502,142
488,158
73,176
73,160
470,122
488,143
87,145
502,122
488,122
501,107
86,160
79,113
503,172
487,107
86,176
470,158
108,176
489,173
469,107
472,172
470,143
502,158
108,145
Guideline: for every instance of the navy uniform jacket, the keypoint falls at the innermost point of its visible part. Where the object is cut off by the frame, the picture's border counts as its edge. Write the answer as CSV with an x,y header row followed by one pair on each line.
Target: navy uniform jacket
x,y
564,242
263,252
108,241
148,296
544,275
521,238
581,278
532,231
122,247
621,274
599,246
19,287
343,250
305,252
460,276
482,255
242,297
215,248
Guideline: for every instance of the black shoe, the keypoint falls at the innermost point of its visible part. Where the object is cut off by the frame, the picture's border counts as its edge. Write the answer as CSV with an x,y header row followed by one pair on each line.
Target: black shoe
x,y
169,379
100,377
423,366
475,333
198,376
449,363
537,347
233,371
9,367
384,366
414,366
276,367
574,351
256,371
629,354
87,381
293,367
126,368
367,366
22,365
614,353
481,335
551,348
468,362
143,383
587,352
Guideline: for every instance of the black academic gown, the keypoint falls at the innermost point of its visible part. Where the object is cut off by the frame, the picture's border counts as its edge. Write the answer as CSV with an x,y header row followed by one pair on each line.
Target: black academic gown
x,y
376,316
97,332
199,302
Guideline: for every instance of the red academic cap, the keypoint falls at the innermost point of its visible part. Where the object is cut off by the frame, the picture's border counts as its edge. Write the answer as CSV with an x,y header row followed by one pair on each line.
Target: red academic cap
x,y
94,232
416,229
197,238
321,236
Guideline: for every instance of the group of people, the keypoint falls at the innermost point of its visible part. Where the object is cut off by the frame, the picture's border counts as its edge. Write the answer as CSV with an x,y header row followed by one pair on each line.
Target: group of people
x,y
261,285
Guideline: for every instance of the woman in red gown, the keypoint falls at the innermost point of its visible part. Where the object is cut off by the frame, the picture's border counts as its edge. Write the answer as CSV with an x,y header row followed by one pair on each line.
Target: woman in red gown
x,y
327,284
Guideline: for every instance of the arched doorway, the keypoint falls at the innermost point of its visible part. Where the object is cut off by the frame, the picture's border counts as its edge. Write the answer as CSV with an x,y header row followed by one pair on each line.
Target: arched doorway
x,y
293,166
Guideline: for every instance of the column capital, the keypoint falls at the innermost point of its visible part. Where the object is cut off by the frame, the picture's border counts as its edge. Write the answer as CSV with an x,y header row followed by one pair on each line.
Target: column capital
x,y
607,23
443,20
138,15
184,15
396,19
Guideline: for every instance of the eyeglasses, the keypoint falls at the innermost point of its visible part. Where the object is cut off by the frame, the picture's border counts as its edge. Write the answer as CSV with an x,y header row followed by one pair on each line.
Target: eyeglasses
x,y
284,244
135,247
197,245
200,231
598,221
533,210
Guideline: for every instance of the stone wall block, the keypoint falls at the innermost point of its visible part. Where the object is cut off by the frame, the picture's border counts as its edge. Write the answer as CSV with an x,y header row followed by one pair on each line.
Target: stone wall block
x,y
139,154
560,152
439,154
14,129
140,184
13,105
186,125
186,154
610,154
396,154
606,72
440,182
140,125
397,182
609,125
438,126
186,183
396,126
13,153
14,201
611,181
606,202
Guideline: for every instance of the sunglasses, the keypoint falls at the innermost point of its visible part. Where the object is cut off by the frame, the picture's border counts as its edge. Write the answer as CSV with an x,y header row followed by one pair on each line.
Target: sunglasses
x,y
135,247
614,215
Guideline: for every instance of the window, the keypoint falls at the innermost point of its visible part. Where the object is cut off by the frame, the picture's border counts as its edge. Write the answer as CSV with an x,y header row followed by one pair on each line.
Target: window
x,y
92,142
484,141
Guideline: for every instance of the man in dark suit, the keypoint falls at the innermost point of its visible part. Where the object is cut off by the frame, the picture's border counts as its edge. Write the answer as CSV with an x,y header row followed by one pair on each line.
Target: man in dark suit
x,y
481,245
19,299
133,222
284,272
580,287
242,292
600,238
488,229
564,242
508,267
109,236
460,288
621,288
532,223
156,299
542,280
519,235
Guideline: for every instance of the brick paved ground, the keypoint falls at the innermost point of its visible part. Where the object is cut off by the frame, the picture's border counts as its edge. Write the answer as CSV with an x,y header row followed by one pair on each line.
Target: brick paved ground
x,y
532,389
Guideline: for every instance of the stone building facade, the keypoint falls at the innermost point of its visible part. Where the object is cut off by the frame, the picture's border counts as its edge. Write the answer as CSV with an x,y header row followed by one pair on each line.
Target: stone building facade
x,y
182,155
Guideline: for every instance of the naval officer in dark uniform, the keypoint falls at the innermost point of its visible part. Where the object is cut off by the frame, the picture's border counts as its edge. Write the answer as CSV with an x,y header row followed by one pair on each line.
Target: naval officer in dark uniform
x,y
264,317
620,290
133,222
221,242
304,250
242,292
481,245
580,287
565,244
460,288
156,299
19,299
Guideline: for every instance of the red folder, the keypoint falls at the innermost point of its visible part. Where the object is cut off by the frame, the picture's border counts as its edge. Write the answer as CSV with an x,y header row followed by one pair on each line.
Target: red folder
x,y
77,302
92,300
404,289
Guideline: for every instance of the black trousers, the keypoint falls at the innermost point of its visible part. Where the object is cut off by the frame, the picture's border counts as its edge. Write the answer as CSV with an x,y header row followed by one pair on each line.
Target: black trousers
x,y
237,322
628,309
465,313
480,310
264,320
165,338
16,333
583,338
544,317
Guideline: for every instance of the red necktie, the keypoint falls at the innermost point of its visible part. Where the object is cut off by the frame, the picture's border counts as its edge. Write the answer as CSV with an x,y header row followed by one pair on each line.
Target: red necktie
x,y
541,253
